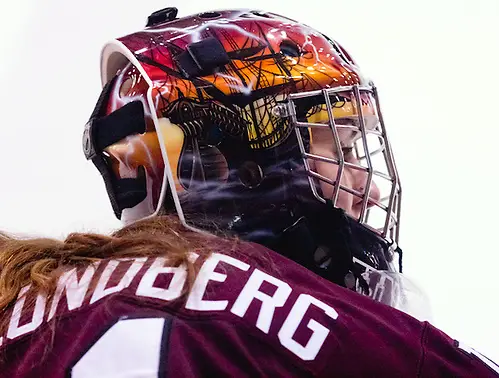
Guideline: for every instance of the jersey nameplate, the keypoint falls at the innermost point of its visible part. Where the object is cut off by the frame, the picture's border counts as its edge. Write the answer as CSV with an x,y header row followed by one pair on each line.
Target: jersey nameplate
x,y
75,291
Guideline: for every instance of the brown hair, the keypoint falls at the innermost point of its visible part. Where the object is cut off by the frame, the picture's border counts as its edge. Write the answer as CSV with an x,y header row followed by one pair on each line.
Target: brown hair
x,y
40,261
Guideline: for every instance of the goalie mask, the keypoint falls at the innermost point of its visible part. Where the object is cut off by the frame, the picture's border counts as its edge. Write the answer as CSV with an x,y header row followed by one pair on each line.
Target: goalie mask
x,y
253,124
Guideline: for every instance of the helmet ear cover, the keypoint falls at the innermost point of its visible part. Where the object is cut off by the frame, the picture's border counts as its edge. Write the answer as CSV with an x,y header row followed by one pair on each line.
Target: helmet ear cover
x,y
102,131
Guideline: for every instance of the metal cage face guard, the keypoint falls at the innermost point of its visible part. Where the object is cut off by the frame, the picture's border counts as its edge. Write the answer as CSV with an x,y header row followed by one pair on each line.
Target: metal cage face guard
x,y
361,131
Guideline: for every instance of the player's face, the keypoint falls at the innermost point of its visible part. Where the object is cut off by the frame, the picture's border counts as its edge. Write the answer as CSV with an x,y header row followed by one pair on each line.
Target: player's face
x,y
323,145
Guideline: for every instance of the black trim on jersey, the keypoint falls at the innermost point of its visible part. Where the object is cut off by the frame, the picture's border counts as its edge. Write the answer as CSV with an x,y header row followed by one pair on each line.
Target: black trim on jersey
x,y
165,348
477,356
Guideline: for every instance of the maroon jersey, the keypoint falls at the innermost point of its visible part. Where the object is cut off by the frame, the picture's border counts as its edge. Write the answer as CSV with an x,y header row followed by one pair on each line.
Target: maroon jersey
x,y
249,314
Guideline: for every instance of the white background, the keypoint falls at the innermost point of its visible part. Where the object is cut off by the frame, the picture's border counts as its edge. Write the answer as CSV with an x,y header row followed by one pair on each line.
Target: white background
x,y
436,64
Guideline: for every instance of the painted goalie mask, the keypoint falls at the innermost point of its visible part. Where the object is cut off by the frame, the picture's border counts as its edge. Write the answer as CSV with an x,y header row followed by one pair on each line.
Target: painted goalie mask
x,y
252,123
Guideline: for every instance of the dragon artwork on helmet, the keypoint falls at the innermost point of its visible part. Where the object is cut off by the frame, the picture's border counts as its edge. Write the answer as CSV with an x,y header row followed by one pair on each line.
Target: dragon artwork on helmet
x,y
230,119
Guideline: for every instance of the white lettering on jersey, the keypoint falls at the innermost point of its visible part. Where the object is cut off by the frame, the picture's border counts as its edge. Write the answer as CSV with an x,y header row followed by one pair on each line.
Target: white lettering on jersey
x,y
293,320
14,329
252,291
75,290
207,273
146,286
101,291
